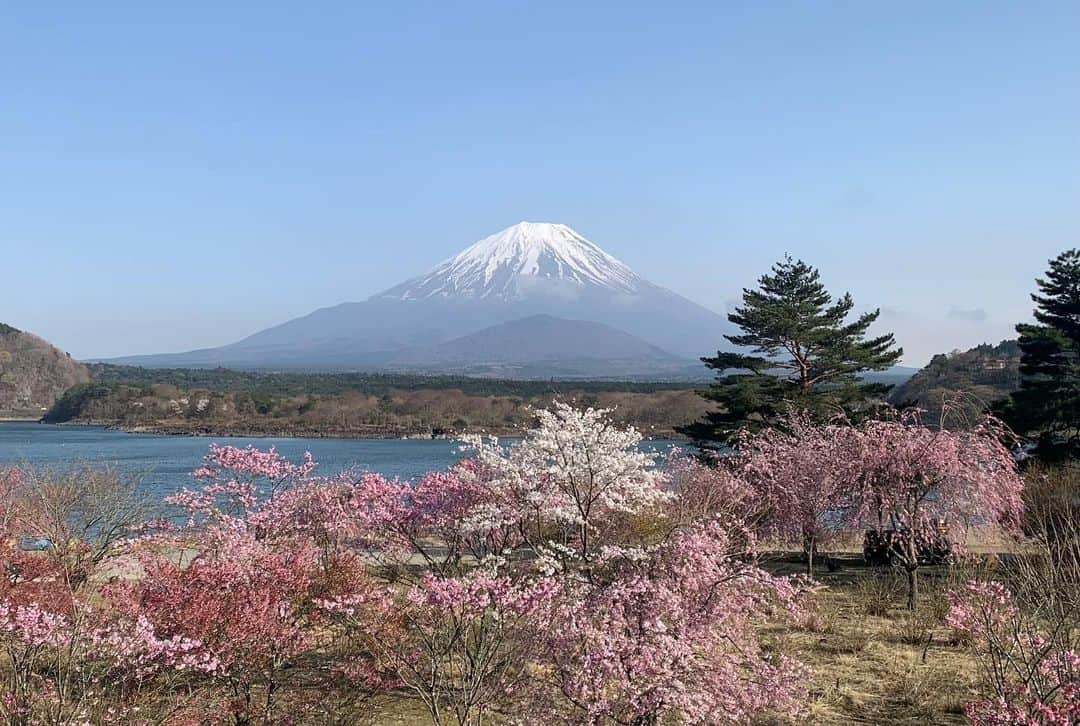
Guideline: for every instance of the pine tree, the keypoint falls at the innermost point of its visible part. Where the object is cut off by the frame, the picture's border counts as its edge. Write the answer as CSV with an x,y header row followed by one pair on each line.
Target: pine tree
x,y
804,354
1047,406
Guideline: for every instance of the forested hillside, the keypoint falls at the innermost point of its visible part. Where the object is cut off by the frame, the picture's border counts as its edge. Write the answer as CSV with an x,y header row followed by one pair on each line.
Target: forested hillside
x,y
968,381
33,373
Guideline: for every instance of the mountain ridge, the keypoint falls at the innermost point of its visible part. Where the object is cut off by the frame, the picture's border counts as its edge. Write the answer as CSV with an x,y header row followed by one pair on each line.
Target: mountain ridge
x,y
524,270
965,383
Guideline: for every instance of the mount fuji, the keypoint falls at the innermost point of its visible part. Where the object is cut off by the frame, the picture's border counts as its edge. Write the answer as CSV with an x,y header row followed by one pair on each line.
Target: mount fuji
x,y
531,279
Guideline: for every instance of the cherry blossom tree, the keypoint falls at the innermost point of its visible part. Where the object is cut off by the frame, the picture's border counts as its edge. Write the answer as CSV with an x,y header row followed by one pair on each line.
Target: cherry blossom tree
x,y
913,480
671,632
801,473
238,584
462,644
576,469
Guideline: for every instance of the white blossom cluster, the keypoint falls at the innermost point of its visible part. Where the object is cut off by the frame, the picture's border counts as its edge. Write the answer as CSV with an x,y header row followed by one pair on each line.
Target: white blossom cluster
x,y
574,468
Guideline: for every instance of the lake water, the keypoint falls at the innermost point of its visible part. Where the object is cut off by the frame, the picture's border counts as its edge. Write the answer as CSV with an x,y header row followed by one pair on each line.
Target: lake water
x,y
164,464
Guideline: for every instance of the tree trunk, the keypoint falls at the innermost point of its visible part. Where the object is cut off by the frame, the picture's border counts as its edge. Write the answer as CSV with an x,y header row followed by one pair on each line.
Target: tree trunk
x,y
912,570
912,588
810,556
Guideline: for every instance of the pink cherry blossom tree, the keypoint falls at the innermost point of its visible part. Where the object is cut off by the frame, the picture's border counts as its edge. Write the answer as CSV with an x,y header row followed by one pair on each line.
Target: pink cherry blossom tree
x,y
670,633
238,584
802,476
913,480
464,644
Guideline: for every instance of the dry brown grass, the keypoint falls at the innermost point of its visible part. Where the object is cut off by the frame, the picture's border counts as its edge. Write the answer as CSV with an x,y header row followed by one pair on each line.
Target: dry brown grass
x,y
870,660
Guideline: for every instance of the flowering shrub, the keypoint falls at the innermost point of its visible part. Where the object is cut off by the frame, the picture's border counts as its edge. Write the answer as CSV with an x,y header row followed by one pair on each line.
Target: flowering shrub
x,y
670,632
463,645
1030,669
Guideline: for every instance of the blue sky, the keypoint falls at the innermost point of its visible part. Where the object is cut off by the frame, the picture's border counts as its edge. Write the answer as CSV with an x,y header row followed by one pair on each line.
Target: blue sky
x,y
180,175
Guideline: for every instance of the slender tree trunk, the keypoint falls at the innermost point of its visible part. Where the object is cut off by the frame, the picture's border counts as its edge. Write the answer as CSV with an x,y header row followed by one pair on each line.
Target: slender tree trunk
x,y
912,570
810,542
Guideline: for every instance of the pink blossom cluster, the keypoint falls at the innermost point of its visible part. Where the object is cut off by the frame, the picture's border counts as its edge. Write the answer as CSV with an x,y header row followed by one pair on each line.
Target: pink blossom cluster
x,y
134,646
909,471
239,477
979,608
482,593
1032,676
253,463
233,606
672,635
32,625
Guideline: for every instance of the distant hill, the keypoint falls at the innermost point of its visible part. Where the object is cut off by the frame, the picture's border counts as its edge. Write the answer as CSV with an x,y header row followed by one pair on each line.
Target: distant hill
x,y
972,380
33,373
570,348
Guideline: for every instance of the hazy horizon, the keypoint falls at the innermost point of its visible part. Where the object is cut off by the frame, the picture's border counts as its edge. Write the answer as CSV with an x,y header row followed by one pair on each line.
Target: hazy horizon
x,y
183,177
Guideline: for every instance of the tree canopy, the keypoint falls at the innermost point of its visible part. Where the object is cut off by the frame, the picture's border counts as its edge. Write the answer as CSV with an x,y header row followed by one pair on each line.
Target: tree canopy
x,y
804,352
1047,406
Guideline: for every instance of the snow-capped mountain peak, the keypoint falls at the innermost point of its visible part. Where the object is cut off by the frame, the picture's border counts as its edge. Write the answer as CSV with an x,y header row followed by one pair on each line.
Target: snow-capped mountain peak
x,y
521,257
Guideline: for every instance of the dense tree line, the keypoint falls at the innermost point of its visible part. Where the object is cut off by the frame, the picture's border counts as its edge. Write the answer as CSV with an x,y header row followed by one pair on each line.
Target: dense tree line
x,y
390,412
295,383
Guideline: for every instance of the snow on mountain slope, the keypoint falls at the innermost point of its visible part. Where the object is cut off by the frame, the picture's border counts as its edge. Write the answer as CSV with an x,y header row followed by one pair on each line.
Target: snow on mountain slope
x,y
513,262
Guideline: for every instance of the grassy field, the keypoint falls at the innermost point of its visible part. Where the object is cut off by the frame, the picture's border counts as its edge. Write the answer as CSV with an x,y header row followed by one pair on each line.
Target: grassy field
x,y
871,660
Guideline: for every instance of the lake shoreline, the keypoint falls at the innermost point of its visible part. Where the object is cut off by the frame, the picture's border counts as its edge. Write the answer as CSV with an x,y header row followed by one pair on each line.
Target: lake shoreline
x,y
226,432
266,433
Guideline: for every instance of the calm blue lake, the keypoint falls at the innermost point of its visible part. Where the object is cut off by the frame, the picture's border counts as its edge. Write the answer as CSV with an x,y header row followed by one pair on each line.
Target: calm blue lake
x,y
163,464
